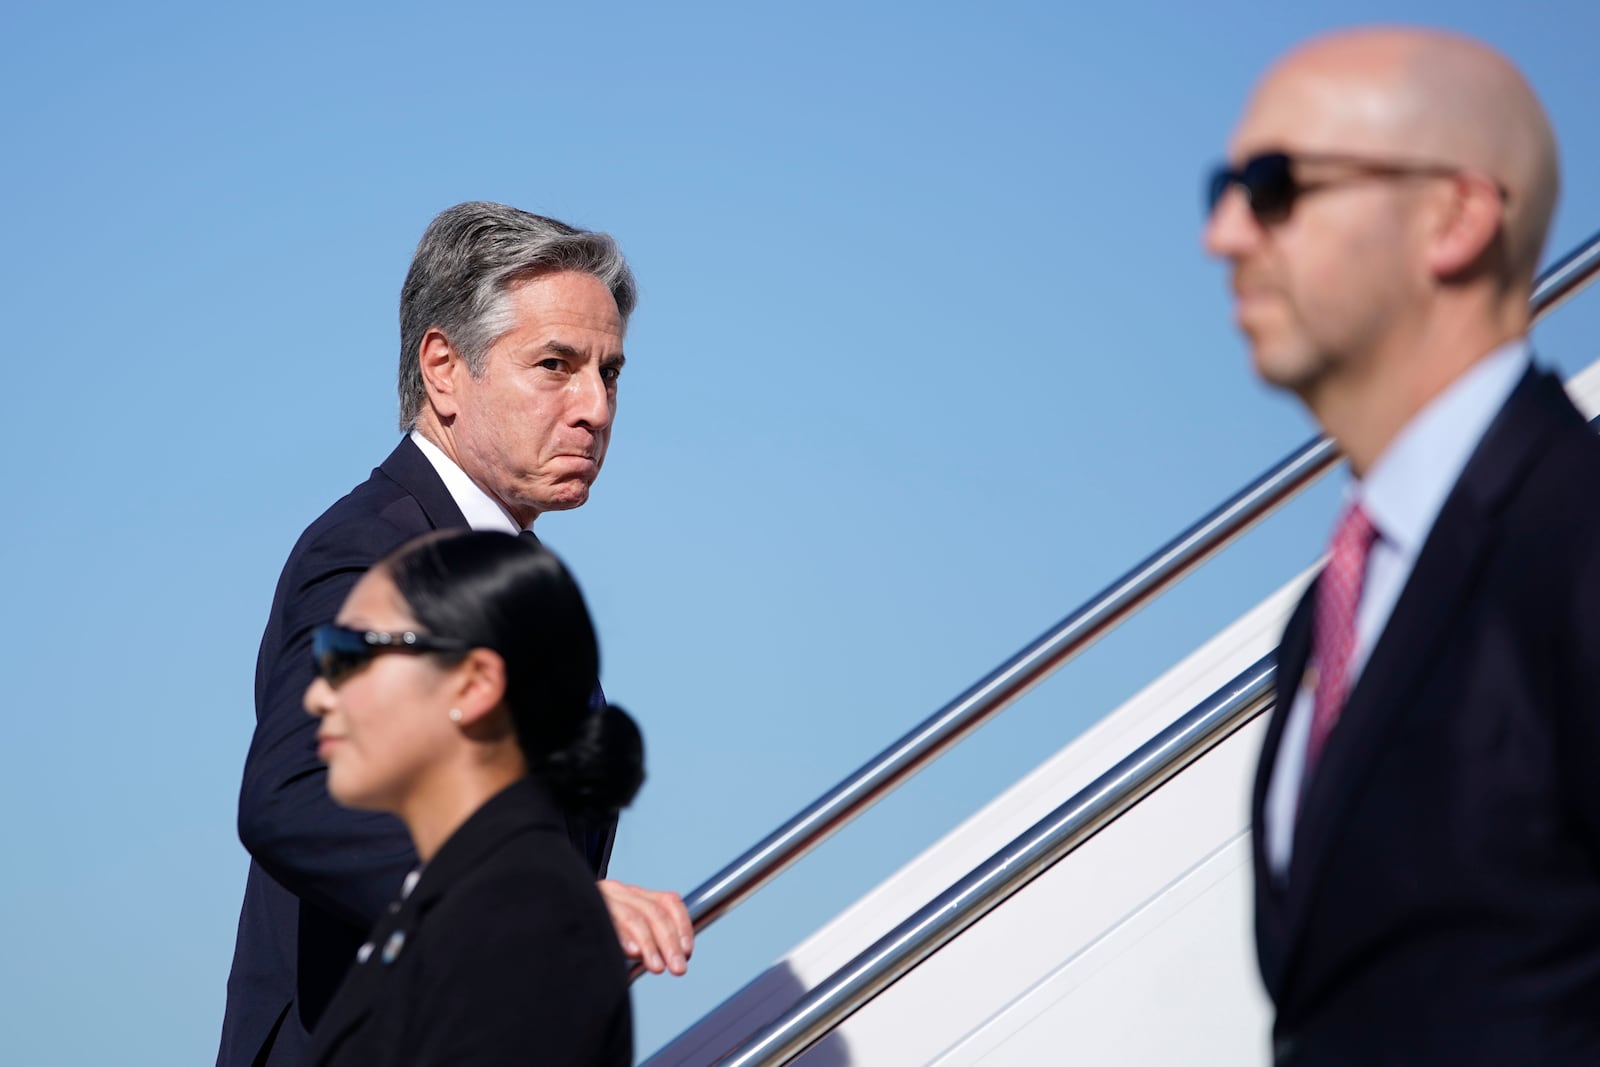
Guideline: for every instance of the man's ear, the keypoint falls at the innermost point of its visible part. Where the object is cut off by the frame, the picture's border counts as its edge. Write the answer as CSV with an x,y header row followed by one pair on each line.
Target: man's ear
x,y
442,367
479,688
1467,226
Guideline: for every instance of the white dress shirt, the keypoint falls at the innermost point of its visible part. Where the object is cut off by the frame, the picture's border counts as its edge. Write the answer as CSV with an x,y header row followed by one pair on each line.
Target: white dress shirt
x,y
482,511
1402,495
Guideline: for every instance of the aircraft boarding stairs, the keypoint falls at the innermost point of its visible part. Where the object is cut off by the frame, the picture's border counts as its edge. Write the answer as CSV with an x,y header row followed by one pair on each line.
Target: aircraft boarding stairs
x,y
1096,912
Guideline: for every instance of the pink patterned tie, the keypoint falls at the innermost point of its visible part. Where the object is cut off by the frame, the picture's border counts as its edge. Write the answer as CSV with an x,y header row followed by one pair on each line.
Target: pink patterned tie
x,y
1334,636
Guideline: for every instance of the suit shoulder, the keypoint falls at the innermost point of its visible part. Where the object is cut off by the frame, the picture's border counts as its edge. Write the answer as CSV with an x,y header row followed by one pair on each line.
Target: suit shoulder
x,y
1563,481
363,525
540,863
531,909
1550,527
520,951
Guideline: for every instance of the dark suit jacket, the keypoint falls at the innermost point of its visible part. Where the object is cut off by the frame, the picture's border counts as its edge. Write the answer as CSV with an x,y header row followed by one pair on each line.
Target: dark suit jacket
x,y
502,954
320,875
1442,904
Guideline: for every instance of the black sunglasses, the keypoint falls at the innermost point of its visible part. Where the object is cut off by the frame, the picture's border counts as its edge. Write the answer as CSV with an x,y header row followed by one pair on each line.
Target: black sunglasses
x,y
1271,188
340,652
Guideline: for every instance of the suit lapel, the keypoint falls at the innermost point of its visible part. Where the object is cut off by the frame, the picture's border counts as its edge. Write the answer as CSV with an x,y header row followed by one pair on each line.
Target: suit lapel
x,y
1429,606
408,468
1293,652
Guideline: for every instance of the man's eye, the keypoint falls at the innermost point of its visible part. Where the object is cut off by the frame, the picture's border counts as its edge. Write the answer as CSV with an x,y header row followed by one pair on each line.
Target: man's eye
x,y
551,364
610,374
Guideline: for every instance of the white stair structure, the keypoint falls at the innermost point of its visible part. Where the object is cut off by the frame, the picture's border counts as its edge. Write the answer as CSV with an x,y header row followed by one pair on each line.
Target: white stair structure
x,y
1138,943
1134,949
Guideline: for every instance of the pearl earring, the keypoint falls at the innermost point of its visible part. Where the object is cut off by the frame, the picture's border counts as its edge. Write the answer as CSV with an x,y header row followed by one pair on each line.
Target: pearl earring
x,y
455,714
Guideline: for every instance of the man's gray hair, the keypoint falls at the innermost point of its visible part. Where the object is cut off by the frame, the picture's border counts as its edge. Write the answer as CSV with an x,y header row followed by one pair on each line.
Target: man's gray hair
x,y
465,263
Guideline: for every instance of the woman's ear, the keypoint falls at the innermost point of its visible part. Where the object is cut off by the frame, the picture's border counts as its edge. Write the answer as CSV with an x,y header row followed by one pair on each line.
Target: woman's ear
x,y
478,686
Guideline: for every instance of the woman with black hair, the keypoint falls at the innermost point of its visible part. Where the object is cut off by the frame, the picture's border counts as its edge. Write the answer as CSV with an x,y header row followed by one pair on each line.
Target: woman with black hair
x,y
454,692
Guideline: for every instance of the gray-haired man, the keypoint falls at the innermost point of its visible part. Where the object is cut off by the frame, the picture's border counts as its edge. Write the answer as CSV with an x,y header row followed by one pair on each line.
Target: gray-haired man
x,y
512,330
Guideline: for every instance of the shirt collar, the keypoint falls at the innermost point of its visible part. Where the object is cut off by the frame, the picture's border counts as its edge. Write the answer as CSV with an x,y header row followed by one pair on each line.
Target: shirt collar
x,y
1405,489
482,511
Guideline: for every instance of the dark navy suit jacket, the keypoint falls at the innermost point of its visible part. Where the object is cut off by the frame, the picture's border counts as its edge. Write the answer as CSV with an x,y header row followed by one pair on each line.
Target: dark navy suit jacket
x,y
502,954
321,875
1442,904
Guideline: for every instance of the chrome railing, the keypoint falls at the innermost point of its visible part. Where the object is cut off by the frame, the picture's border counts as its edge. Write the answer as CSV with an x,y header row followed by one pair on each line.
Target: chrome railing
x,y
730,886
1122,598
1002,875
1095,806
989,884
1574,271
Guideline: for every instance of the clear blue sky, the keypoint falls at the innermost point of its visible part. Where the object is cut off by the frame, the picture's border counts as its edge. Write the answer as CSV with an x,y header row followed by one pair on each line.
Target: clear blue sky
x,y
927,354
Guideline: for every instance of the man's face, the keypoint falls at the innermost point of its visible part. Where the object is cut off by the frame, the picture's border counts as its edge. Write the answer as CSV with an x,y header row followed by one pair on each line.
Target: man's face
x,y
1326,288
534,426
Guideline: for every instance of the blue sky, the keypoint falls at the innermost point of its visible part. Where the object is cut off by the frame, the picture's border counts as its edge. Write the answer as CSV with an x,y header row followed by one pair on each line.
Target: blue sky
x,y
927,354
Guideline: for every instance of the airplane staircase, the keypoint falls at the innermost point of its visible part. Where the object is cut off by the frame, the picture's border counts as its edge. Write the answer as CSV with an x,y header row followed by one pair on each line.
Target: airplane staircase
x,y
1112,922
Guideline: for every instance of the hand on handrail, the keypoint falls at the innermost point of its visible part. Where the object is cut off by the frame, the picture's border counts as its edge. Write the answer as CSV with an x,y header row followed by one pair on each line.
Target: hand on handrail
x,y
652,924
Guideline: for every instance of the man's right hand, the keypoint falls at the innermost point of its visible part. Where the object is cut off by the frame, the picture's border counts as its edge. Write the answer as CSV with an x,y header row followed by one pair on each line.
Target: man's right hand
x,y
652,924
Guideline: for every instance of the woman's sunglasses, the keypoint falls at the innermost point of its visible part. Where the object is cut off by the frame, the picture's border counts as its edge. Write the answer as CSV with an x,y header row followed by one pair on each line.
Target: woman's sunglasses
x,y
1271,188
340,652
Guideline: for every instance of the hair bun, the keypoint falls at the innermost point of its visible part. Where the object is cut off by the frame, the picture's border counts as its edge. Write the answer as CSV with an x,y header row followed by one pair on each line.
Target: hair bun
x,y
597,773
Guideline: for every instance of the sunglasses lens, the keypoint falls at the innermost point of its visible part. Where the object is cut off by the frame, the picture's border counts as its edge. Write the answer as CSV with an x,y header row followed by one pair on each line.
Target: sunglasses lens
x,y
1269,182
335,667
1216,185
338,653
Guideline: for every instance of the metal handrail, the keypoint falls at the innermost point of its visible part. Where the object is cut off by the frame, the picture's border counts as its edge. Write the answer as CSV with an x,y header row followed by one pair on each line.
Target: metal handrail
x,y
1063,830
988,885
731,885
1569,274
1008,871
773,854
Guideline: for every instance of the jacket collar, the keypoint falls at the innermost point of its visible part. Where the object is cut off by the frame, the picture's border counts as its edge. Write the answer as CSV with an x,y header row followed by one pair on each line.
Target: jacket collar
x,y
408,468
522,806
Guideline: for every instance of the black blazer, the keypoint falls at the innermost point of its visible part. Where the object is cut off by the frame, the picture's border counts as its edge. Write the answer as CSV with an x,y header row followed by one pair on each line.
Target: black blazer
x,y
502,954
1442,904
321,875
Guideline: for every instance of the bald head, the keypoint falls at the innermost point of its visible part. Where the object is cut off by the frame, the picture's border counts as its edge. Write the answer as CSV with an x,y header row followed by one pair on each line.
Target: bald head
x,y
1384,211
1426,96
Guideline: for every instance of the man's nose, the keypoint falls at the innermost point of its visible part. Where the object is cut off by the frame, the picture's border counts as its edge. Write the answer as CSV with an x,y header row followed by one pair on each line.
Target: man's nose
x,y
592,406
1230,230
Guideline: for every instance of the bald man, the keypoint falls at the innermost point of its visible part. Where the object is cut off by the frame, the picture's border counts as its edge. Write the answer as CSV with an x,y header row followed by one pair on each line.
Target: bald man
x,y
1426,814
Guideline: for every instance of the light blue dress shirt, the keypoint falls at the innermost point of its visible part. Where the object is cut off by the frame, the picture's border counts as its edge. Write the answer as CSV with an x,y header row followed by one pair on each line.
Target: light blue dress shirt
x,y
1402,495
